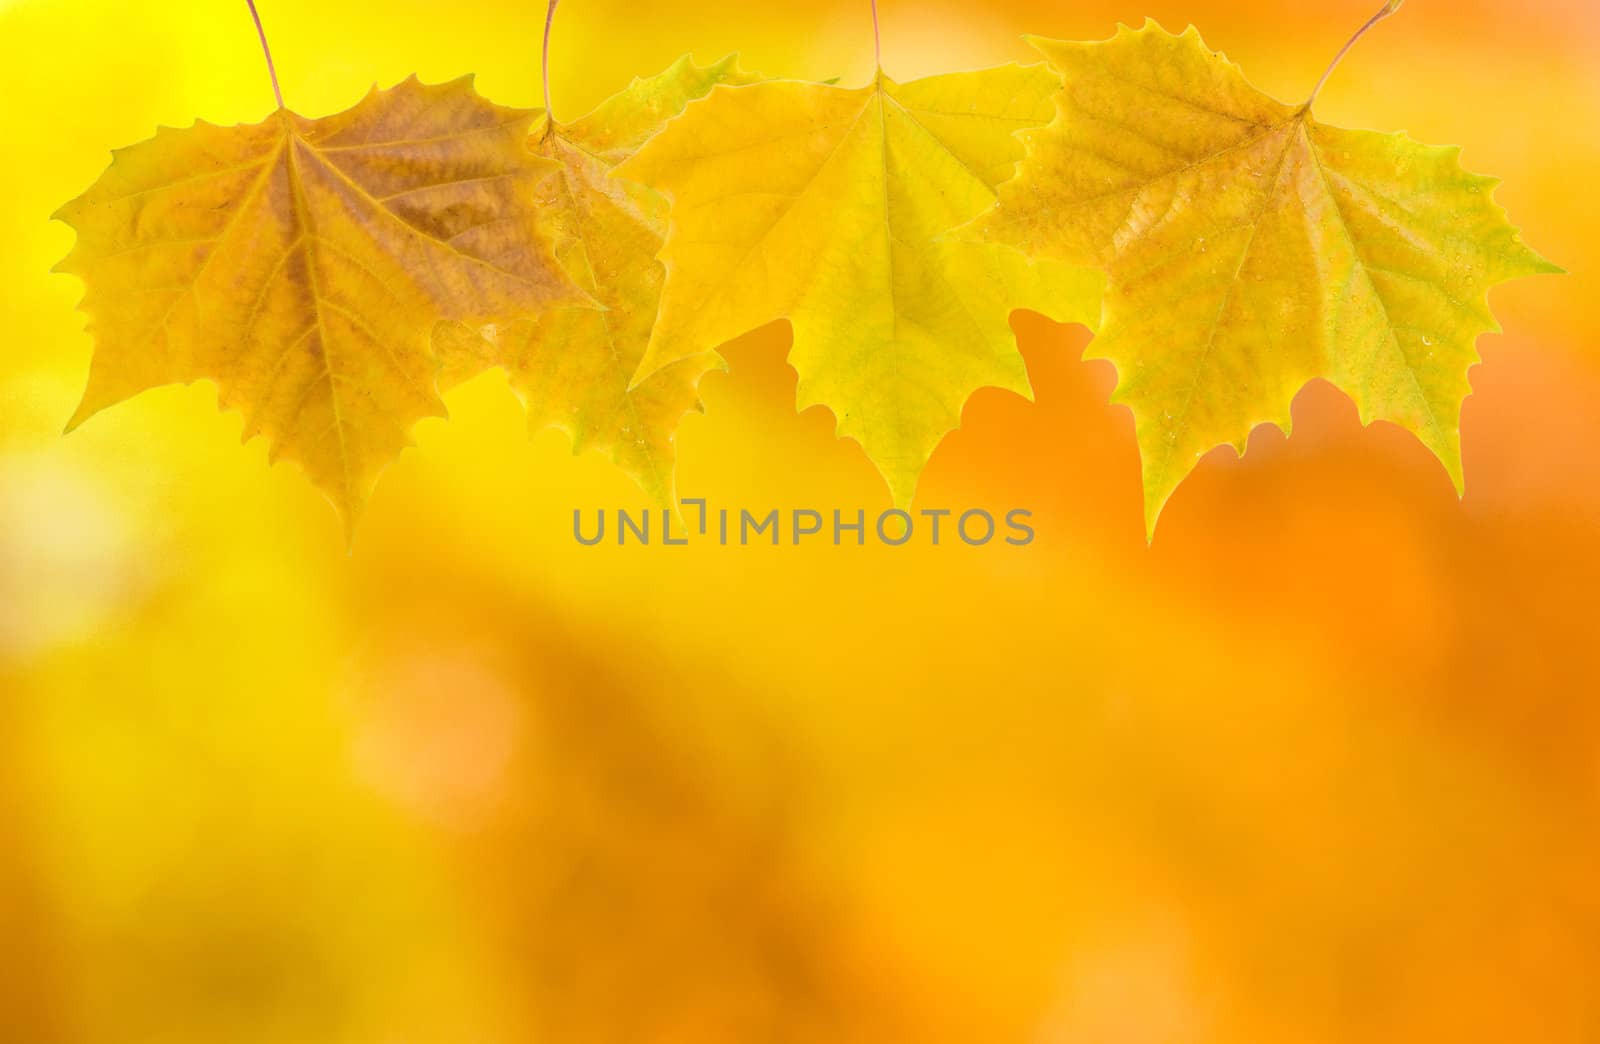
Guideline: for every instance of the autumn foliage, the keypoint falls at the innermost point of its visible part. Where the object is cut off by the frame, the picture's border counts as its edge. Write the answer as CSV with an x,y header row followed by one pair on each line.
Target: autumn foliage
x,y
333,276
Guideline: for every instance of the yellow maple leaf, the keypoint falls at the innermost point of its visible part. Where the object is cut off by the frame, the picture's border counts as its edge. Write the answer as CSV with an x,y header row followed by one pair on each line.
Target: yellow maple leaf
x,y
302,265
826,206
1251,249
572,367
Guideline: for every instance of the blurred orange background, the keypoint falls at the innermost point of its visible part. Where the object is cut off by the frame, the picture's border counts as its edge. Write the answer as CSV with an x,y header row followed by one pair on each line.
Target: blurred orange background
x,y
1323,764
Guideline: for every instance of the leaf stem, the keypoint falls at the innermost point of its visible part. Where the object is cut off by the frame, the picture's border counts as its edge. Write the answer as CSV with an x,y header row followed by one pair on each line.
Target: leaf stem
x,y
549,26
1388,9
877,37
272,70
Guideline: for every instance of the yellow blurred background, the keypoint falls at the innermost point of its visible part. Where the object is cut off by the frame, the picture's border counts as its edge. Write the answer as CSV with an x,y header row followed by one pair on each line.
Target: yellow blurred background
x,y
1323,764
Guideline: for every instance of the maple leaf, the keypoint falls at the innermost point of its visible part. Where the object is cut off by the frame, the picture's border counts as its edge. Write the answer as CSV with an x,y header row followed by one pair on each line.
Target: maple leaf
x,y
572,367
1251,249
302,265
826,206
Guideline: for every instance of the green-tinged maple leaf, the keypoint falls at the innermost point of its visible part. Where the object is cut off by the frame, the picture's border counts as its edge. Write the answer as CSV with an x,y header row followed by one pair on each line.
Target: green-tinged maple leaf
x,y
572,367
1251,249
302,265
826,206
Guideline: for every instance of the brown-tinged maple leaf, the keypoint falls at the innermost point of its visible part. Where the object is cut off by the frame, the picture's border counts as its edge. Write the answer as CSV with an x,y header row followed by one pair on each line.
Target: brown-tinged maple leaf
x,y
302,264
